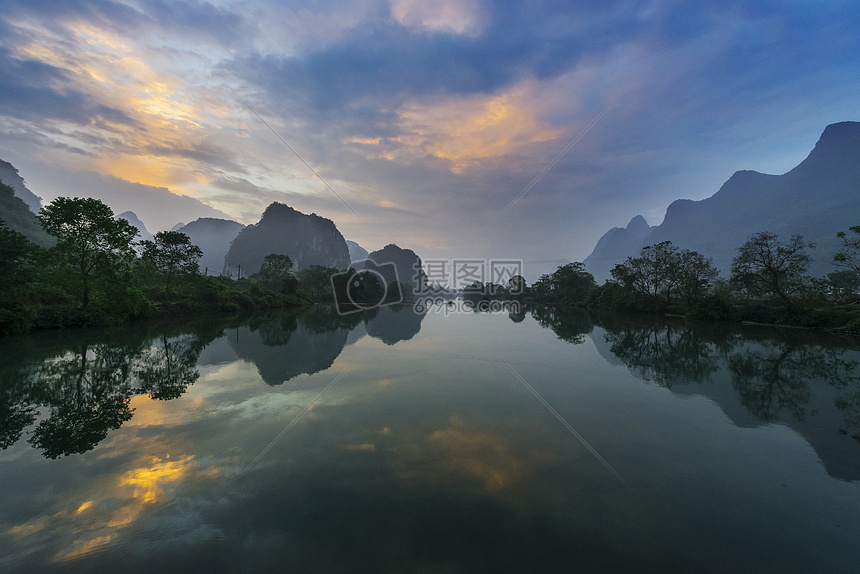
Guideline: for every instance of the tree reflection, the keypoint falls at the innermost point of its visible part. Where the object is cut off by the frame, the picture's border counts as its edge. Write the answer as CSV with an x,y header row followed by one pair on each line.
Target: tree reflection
x,y
167,370
665,353
774,376
570,324
86,387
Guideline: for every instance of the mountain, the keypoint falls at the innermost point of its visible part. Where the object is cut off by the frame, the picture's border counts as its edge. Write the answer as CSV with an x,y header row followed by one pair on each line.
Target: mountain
x,y
615,245
133,219
18,217
307,239
9,176
177,227
213,236
403,265
356,251
815,199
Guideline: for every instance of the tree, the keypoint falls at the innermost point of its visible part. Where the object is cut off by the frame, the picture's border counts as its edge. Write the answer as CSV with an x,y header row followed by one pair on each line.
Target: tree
x,y
316,280
849,256
696,274
766,266
276,273
655,272
172,254
571,284
841,285
89,240
16,256
517,286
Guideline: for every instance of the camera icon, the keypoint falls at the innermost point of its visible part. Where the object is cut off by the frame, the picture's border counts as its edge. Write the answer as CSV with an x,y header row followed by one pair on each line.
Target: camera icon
x,y
366,285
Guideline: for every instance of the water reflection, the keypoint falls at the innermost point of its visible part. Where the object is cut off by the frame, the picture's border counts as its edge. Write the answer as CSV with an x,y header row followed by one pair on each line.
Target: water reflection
x,y
808,381
80,383
430,456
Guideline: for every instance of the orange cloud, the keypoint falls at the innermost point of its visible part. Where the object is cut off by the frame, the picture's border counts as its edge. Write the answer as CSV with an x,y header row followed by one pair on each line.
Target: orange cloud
x,y
466,130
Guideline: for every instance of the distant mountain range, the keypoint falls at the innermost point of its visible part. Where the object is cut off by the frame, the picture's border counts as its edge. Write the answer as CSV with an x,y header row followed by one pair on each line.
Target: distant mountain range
x,y
815,199
356,251
9,175
134,220
18,217
213,236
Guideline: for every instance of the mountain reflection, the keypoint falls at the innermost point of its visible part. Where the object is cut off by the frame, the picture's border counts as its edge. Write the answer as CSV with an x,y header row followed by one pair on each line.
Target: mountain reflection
x,y
285,346
808,381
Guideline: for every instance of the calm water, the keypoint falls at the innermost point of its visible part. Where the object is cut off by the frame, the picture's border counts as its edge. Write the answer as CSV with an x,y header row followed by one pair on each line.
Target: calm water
x,y
396,442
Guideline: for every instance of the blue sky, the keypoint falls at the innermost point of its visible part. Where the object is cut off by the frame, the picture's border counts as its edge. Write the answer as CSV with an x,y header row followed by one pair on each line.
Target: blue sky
x,y
427,119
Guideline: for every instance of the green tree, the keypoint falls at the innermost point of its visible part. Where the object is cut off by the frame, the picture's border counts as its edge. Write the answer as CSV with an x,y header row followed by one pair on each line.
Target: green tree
x,y
276,273
571,284
17,255
90,242
849,256
766,266
173,255
316,281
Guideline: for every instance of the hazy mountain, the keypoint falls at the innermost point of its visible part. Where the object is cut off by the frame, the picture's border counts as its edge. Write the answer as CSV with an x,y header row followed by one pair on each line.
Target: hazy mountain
x,y
213,236
9,176
177,227
307,239
356,251
133,219
17,216
615,245
815,199
406,265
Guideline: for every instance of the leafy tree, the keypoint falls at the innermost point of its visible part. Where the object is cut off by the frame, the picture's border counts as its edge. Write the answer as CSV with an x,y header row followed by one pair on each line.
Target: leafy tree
x,y
172,254
316,281
766,266
655,272
696,274
571,284
842,284
17,254
849,256
276,273
517,286
90,242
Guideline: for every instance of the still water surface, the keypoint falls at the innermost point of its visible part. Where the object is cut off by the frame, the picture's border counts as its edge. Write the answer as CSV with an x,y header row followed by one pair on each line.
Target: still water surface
x,y
398,442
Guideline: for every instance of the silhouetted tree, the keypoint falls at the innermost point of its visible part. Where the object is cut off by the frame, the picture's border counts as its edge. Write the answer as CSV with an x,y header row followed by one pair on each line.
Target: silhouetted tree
x,y
849,255
172,254
766,266
276,273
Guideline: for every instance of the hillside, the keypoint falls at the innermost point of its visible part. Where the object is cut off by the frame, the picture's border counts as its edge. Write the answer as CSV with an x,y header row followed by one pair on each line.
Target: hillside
x,y
213,236
356,251
307,239
406,266
815,199
17,216
134,220
9,175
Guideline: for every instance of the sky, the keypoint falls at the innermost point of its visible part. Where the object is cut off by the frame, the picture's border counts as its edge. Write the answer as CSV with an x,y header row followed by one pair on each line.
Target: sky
x,y
438,126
